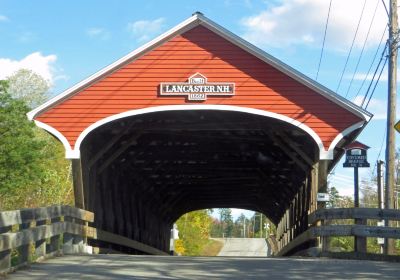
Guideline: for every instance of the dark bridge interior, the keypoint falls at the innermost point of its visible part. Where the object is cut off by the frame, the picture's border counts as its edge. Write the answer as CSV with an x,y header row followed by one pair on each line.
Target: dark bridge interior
x,y
143,172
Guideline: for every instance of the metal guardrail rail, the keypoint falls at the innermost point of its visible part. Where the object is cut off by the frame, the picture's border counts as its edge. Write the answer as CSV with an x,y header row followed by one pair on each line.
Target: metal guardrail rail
x,y
28,235
320,226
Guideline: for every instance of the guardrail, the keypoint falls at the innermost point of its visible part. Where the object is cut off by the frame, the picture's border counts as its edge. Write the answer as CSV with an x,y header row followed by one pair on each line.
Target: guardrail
x,y
320,227
27,235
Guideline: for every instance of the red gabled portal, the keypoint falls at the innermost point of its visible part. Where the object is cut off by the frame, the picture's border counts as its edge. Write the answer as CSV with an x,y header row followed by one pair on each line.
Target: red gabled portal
x,y
199,118
136,84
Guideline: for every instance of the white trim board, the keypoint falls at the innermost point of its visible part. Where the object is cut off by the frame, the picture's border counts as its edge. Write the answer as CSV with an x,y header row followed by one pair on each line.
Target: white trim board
x,y
323,154
195,20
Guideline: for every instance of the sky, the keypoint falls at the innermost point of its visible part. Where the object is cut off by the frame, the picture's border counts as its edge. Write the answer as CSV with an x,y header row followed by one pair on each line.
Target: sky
x,y
67,41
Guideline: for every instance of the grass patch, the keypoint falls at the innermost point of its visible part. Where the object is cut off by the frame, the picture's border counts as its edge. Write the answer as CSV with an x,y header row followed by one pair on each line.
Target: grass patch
x,y
212,248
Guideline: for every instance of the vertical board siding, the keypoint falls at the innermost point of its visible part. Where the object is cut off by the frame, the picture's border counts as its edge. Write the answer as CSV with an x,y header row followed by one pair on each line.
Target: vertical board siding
x,y
258,85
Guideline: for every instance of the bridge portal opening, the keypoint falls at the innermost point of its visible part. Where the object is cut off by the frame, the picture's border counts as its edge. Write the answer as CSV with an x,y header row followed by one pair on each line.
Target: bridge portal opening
x,y
143,172
223,232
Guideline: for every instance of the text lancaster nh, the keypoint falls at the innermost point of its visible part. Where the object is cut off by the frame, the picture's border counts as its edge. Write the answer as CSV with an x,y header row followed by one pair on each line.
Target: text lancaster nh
x,y
226,89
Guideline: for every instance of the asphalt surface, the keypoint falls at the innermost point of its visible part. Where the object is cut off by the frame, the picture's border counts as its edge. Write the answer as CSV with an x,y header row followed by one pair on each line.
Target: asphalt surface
x,y
241,247
101,267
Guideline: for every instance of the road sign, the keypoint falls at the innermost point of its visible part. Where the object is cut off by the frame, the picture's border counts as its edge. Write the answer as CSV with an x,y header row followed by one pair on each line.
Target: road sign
x,y
397,126
322,197
356,155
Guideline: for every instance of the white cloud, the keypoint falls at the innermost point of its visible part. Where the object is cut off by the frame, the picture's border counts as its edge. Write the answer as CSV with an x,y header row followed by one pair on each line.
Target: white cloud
x,y
97,32
38,63
3,18
143,30
303,21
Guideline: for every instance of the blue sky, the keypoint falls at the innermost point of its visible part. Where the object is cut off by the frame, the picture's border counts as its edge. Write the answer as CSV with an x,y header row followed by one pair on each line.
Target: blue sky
x,y
66,41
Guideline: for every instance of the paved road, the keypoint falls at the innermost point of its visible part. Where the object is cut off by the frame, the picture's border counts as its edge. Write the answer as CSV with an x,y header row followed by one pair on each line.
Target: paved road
x,y
241,247
101,267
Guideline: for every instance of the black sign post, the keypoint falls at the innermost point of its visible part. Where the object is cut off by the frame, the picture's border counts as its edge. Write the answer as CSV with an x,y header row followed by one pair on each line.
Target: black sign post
x,y
356,156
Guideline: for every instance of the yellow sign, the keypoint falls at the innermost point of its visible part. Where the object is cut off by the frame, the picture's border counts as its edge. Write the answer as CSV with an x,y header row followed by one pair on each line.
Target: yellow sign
x,y
397,126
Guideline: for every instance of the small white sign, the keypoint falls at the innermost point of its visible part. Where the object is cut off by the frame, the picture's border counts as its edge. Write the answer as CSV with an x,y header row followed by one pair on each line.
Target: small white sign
x,y
380,240
323,197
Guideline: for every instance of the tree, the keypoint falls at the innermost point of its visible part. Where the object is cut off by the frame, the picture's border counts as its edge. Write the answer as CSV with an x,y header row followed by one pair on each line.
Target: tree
x,y
227,221
194,232
334,197
259,221
20,150
28,86
33,171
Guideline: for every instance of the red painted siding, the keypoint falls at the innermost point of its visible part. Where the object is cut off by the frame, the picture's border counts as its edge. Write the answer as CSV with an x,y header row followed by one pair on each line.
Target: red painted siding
x,y
258,85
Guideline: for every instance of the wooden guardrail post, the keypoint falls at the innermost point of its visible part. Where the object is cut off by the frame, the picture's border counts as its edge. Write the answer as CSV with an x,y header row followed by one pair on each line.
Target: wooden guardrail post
x,y
5,256
40,245
53,246
24,250
360,244
73,243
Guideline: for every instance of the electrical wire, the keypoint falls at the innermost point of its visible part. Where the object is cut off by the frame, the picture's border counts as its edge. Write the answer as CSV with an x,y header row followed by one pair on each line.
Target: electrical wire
x,y
384,5
380,150
351,47
362,50
373,61
323,41
373,77
376,83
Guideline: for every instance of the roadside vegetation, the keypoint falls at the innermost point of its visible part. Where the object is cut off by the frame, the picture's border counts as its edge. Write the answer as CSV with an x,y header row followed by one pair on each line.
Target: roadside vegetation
x,y
33,169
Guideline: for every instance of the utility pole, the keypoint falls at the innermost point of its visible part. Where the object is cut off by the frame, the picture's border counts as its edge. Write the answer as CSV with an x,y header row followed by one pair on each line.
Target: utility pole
x,y
380,185
391,116
379,164
244,227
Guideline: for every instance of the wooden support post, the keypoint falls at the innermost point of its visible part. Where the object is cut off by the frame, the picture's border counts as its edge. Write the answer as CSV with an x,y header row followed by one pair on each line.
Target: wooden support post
x,y
323,188
40,245
73,244
5,256
24,250
314,188
53,246
322,179
78,183
5,260
360,242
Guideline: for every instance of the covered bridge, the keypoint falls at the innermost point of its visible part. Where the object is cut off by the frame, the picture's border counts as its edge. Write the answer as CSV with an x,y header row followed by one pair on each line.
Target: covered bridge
x,y
198,118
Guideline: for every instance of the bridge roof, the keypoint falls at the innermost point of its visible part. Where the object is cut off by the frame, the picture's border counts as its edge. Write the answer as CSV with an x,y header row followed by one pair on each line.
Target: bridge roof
x,y
195,20
264,86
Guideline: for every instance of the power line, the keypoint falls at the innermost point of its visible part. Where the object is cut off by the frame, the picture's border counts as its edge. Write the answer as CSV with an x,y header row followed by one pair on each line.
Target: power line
x,y
362,50
373,61
373,77
323,41
380,150
376,83
384,5
351,48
